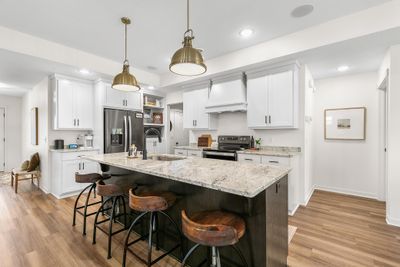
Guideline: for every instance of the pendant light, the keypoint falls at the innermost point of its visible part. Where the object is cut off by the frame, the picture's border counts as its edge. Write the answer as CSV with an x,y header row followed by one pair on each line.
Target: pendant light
x,y
125,81
188,61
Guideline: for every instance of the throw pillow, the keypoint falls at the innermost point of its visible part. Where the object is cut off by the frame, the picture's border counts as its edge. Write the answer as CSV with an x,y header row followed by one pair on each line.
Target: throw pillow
x,y
34,162
25,165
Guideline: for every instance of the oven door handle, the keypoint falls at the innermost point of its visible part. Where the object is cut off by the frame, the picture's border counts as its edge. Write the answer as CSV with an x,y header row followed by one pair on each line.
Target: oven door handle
x,y
219,154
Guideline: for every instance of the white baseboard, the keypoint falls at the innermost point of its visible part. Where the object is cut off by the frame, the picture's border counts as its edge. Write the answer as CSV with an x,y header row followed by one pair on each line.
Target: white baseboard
x,y
291,213
44,189
393,221
308,197
346,192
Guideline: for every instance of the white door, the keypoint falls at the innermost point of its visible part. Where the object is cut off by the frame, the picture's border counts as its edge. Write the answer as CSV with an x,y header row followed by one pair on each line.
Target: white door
x,y
70,167
115,98
134,100
2,139
65,103
280,99
83,105
201,117
177,135
89,167
189,106
257,102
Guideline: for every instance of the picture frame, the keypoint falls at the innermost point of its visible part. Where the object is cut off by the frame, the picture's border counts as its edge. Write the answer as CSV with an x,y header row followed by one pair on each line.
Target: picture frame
x,y
345,123
34,126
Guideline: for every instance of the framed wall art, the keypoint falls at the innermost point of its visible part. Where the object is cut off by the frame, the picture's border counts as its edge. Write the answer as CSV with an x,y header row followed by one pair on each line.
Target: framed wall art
x,y
34,127
345,123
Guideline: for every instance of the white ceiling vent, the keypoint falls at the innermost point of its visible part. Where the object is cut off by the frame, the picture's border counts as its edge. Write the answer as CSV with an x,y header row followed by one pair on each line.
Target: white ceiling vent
x,y
228,94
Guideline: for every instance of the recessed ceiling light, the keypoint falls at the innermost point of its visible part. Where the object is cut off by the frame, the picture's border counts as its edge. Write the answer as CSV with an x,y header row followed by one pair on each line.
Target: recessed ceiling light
x,y
343,68
302,11
84,71
150,87
246,33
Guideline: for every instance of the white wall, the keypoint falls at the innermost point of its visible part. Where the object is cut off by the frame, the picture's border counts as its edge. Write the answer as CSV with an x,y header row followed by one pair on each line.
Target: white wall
x,y
347,166
37,97
13,125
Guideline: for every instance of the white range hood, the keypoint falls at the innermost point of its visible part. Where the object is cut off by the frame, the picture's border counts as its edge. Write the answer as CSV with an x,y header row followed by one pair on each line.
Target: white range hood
x,y
227,94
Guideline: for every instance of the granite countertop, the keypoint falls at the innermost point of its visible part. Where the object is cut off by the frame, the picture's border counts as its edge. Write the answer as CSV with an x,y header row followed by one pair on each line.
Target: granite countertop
x,y
239,178
66,150
267,152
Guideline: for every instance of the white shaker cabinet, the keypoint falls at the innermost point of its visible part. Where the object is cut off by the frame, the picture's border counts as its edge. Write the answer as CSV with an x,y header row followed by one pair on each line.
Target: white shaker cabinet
x,y
273,99
120,99
194,111
72,105
64,165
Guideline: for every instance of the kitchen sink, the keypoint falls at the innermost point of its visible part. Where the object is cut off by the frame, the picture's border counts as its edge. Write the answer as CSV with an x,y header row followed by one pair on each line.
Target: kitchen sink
x,y
165,158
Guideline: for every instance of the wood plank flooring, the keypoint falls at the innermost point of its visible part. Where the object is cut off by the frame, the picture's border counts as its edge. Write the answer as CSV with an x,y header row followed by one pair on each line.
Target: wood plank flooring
x,y
333,230
340,230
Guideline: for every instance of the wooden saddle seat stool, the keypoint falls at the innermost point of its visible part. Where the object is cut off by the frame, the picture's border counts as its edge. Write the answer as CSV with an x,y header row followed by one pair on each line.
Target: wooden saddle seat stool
x,y
213,229
152,204
91,179
115,196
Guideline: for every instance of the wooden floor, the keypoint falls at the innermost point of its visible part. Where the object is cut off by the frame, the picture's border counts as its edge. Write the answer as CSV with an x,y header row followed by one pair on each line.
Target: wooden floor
x,y
333,230
339,230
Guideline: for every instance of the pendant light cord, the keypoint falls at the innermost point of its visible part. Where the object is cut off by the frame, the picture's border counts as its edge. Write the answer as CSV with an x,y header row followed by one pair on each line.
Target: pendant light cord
x,y
188,14
126,44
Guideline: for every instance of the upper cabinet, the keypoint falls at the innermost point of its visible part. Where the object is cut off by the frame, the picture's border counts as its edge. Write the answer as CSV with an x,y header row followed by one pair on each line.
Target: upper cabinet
x,y
126,100
72,104
273,98
194,110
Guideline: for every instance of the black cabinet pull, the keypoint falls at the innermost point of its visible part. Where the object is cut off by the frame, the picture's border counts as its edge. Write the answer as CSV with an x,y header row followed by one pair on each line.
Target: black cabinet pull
x,y
277,187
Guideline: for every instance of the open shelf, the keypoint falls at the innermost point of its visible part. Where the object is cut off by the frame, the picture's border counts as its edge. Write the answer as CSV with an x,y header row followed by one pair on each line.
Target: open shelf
x,y
152,107
153,124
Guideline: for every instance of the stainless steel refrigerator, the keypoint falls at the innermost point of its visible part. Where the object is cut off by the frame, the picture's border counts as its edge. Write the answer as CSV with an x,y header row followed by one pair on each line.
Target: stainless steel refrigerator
x,y
122,128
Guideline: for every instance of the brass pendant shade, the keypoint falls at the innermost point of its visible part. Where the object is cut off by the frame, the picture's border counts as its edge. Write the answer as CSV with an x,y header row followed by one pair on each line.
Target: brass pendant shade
x,y
188,61
125,81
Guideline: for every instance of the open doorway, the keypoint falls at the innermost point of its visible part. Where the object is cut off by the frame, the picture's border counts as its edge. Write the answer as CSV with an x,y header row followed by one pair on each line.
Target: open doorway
x,y
383,126
177,136
2,139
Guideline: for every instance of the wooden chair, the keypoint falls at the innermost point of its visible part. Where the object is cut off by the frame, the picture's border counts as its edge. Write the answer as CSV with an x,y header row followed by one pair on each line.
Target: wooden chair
x,y
18,175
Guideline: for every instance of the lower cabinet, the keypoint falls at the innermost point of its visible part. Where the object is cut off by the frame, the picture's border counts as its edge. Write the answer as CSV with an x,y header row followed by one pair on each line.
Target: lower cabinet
x,y
63,169
181,152
293,182
189,152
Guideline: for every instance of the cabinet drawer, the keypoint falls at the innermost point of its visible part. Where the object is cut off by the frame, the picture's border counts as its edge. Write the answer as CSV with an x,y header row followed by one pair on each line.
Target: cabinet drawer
x,y
181,152
78,155
195,153
249,158
280,161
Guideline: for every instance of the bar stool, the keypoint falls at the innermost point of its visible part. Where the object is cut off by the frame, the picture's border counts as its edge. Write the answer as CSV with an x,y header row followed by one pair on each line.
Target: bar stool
x,y
115,195
91,178
152,203
213,229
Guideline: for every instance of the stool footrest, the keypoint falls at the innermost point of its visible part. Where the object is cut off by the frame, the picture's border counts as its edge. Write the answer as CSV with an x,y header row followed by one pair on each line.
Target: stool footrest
x,y
157,259
91,204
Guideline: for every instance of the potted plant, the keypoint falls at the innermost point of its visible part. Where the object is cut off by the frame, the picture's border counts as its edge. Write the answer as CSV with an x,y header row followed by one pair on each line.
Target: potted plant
x,y
258,143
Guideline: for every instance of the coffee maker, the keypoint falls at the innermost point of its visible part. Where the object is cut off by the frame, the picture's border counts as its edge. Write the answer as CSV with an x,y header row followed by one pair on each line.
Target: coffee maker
x,y
88,141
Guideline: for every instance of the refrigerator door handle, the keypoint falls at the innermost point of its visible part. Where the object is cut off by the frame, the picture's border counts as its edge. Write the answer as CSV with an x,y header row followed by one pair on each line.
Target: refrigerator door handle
x,y
130,131
125,135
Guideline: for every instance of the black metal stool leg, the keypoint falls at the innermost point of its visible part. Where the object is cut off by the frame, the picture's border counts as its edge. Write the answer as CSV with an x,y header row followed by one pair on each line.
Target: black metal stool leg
x,y
155,228
112,218
126,215
76,204
177,228
150,241
188,254
240,255
101,209
126,244
86,206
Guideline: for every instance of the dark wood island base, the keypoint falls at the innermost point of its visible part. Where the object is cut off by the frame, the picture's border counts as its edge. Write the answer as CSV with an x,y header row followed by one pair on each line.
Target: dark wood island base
x,y
265,242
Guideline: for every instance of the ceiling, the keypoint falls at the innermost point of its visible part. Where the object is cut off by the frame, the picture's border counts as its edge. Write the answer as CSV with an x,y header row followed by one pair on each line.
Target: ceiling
x,y
158,25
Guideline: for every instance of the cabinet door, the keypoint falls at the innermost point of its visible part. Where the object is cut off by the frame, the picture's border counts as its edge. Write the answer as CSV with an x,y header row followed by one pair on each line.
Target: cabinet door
x,y
257,102
195,153
181,152
115,98
65,103
280,99
89,167
202,119
83,105
249,158
134,100
69,168
189,106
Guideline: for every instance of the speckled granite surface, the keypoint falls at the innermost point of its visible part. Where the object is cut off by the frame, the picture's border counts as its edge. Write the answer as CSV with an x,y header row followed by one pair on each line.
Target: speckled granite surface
x,y
273,151
197,148
239,178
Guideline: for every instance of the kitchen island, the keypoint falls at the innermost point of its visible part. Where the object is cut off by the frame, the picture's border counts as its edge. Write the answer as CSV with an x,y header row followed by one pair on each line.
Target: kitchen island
x,y
256,192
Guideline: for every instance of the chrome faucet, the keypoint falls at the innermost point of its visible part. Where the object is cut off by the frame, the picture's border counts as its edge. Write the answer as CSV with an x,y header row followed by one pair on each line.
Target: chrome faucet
x,y
147,132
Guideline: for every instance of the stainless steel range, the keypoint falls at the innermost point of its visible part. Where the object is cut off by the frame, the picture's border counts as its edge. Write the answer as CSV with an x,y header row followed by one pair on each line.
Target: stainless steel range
x,y
227,147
